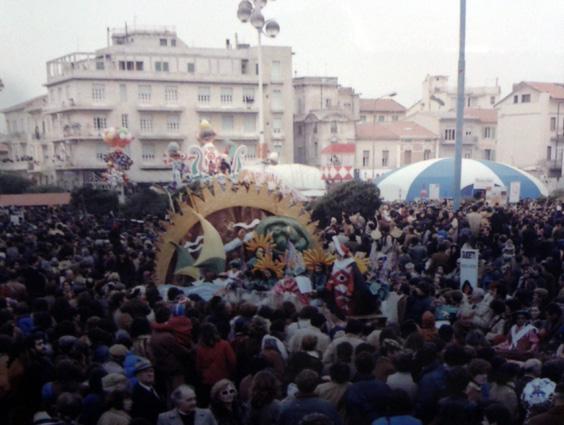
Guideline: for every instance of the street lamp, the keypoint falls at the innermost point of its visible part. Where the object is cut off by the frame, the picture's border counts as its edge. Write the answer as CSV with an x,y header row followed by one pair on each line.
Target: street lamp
x,y
252,12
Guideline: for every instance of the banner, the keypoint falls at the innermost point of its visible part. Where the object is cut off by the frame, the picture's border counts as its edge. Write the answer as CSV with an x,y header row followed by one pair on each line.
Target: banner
x,y
434,191
469,266
514,192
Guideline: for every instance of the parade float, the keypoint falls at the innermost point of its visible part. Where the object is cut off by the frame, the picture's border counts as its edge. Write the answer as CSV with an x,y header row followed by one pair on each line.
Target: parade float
x,y
227,230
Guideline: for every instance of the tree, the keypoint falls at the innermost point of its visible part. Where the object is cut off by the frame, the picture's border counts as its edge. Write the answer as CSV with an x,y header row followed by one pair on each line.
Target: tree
x,y
349,198
95,201
146,202
13,184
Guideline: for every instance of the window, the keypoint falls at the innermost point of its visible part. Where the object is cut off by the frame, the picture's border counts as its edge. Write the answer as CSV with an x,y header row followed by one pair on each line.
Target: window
x,y
144,93
276,100
381,118
146,123
277,126
173,123
161,66
468,132
365,158
427,154
148,152
248,95
173,42
315,128
450,134
488,154
516,99
226,95
99,66
125,120
244,66
98,92
407,157
549,153
191,67
227,122
327,103
492,100
123,93
100,123
469,102
139,66
552,123
468,155
171,94
525,98
204,95
300,130
363,118
334,127
256,69
395,117
275,73
130,65
488,133
163,42
101,151
250,123
121,65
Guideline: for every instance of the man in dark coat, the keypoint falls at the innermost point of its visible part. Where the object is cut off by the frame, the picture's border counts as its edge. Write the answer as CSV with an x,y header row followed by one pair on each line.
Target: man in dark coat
x,y
147,403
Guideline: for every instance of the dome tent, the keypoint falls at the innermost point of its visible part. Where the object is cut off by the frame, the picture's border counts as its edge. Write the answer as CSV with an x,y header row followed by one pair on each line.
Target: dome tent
x,y
407,183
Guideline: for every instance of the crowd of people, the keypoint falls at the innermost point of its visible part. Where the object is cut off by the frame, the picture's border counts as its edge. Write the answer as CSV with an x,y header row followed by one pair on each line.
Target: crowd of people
x,y
87,338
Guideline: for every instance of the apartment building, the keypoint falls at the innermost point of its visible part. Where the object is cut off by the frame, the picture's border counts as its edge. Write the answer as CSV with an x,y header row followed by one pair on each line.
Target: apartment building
x,y
325,114
381,110
480,132
153,83
382,147
531,128
438,96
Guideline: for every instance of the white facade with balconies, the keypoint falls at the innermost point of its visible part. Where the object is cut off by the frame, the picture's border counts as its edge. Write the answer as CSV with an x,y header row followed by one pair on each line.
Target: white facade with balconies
x,y
151,82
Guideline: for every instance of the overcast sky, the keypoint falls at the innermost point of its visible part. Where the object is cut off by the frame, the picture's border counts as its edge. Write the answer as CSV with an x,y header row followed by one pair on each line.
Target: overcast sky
x,y
375,46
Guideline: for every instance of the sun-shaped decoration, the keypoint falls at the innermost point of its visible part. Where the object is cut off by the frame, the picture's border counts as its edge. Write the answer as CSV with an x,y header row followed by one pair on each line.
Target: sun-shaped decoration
x,y
317,256
260,241
362,262
219,196
267,263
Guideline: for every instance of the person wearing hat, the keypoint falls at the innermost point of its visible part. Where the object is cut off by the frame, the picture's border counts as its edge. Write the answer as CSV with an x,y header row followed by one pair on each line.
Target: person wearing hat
x,y
185,410
114,382
147,403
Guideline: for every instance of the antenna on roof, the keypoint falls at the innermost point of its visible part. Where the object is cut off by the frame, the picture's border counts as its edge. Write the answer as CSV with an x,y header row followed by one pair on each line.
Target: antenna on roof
x,y
108,36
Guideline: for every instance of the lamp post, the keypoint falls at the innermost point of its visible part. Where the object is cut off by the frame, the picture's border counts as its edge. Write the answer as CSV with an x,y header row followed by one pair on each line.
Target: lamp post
x,y
460,107
252,12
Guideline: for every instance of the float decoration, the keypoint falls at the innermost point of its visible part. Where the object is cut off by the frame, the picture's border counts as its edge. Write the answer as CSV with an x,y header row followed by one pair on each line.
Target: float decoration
x,y
117,161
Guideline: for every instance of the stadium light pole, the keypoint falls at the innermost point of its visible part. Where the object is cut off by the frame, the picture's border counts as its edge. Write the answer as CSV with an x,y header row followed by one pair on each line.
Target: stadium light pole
x,y
460,107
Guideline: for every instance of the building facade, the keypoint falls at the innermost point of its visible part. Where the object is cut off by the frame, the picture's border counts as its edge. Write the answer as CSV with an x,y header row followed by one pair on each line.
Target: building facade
x,y
381,110
325,114
384,147
151,82
531,128
480,132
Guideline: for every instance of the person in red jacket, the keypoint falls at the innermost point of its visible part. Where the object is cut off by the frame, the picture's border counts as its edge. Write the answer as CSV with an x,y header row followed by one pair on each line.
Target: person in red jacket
x,y
215,359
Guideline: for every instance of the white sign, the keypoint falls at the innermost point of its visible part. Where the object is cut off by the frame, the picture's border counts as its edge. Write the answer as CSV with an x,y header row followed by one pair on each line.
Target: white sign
x,y
483,184
469,266
434,191
514,192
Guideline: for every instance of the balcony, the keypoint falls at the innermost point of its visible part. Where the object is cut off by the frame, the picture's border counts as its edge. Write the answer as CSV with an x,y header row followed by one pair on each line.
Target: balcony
x,y
15,166
163,136
160,108
71,106
76,131
467,140
227,108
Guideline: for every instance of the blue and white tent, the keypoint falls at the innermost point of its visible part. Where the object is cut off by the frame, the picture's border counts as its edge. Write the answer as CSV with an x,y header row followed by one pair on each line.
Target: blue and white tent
x,y
407,183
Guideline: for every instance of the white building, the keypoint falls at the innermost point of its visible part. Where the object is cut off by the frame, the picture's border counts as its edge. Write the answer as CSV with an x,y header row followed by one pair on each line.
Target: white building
x,y
531,128
151,82
325,114
381,110
438,96
384,147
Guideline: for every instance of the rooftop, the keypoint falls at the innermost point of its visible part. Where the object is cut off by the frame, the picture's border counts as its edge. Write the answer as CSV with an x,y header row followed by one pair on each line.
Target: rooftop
x,y
393,131
380,105
555,90
339,148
